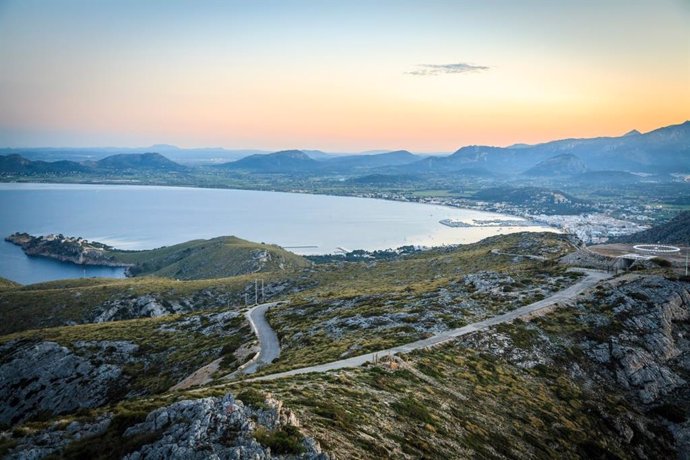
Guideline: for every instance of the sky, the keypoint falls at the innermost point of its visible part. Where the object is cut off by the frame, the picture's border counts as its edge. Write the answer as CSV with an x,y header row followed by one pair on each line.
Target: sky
x,y
427,76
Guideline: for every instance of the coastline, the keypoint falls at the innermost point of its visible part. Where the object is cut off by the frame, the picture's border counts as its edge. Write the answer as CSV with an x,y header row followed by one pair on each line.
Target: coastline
x,y
438,238
383,196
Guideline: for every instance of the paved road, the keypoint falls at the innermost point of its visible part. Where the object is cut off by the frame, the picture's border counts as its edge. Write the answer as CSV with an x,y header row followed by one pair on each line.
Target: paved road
x,y
567,294
268,340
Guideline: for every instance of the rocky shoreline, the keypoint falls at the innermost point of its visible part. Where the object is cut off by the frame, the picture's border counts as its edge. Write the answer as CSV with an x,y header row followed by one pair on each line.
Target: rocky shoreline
x,y
74,250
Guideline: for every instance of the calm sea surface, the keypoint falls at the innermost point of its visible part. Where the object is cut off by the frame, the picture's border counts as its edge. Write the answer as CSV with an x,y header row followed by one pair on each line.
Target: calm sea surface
x,y
144,217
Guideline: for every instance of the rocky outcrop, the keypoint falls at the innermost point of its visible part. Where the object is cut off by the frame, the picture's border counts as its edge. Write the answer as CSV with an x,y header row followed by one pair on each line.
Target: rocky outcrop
x,y
647,347
57,436
66,249
218,427
211,324
154,305
45,377
586,258
214,427
629,336
139,307
162,304
487,281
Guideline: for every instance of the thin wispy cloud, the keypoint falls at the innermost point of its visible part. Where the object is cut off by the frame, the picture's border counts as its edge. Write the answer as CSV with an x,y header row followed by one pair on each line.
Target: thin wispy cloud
x,y
441,69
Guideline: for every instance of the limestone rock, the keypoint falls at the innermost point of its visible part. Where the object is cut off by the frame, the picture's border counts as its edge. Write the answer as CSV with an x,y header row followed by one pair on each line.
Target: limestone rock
x,y
217,428
45,377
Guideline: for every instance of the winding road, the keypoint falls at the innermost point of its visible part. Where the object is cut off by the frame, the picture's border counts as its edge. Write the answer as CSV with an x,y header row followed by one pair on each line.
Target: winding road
x,y
269,346
269,340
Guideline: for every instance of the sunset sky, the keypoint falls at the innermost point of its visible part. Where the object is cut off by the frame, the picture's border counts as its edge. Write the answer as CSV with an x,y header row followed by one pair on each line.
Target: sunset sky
x,y
427,76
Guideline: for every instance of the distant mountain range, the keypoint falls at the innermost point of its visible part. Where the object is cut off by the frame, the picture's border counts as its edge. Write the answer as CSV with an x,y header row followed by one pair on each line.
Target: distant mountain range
x,y
195,156
662,151
17,164
136,162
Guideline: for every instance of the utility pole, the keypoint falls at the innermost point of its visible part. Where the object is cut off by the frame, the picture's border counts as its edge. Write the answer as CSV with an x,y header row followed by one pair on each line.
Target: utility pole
x,y
687,252
256,291
246,299
263,297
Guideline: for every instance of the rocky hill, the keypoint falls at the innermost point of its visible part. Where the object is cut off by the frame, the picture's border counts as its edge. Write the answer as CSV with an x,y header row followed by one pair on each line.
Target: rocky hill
x,y
61,370
603,374
198,259
214,258
286,161
603,378
97,300
675,231
139,162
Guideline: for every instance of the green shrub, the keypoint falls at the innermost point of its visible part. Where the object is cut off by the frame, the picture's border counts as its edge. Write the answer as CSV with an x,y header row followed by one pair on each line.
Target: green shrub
x,y
408,407
662,262
112,444
253,398
286,440
337,414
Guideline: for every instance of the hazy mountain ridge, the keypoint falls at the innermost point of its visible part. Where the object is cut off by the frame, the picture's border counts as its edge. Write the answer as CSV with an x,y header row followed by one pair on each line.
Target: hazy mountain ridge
x,y
138,161
398,157
283,161
565,164
311,162
663,150
123,162
200,155
15,163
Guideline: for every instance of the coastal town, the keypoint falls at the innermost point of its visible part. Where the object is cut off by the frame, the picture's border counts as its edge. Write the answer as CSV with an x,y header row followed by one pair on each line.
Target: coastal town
x,y
591,228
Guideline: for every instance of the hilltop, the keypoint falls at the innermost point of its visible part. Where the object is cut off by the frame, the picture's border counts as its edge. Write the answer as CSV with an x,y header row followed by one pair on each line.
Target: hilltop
x,y
215,258
198,259
283,161
7,284
138,161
